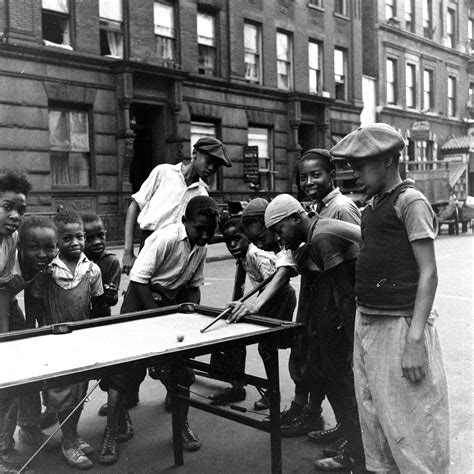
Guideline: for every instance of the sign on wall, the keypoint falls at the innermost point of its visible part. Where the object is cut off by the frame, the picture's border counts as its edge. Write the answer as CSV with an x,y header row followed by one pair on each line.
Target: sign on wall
x,y
251,174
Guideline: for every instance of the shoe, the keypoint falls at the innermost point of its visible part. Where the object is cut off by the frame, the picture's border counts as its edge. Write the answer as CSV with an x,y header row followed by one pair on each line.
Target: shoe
x,y
76,458
326,436
35,438
109,449
229,395
309,420
263,403
125,430
12,460
168,402
85,447
189,440
103,410
289,416
338,448
339,463
47,420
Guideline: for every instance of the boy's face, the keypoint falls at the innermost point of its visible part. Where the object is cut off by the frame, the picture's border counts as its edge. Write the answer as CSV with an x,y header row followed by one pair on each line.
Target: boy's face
x,y
315,181
287,232
95,239
12,208
38,247
370,174
205,165
200,229
261,237
71,240
237,243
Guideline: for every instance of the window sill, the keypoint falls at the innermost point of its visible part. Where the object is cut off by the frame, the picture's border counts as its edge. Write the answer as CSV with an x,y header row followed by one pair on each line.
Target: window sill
x,y
316,7
341,16
57,45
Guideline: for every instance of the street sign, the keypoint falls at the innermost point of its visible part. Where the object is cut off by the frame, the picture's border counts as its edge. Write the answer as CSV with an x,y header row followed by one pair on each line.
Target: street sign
x,y
251,174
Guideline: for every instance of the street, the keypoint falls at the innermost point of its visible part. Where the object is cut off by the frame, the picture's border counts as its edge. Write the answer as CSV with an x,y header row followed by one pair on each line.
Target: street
x,y
233,448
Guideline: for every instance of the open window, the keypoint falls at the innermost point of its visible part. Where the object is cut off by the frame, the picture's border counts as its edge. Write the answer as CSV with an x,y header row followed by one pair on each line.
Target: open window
x,y
207,44
111,28
56,23
165,30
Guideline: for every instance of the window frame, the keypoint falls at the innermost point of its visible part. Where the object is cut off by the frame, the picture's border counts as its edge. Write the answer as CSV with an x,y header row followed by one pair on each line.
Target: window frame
x,y
341,7
204,49
319,70
344,81
172,39
256,54
113,26
428,93
451,96
316,3
427,17
267,174
59,15
409,15
390,9
391,84
288,61
451,27
410,89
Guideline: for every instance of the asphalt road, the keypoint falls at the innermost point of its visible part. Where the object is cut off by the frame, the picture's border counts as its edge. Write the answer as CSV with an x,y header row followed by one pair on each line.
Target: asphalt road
x,y
228,447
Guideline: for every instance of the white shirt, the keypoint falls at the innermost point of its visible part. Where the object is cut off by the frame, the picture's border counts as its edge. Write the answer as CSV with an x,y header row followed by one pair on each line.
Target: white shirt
x,y
164,195
8,246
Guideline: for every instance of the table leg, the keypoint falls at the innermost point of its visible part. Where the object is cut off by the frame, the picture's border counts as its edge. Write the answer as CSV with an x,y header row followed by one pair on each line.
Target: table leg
x,y
176,414
274,399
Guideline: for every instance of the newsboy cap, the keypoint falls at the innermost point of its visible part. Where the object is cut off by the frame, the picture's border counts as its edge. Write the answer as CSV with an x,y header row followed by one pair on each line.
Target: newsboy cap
x,y
371,140
213,147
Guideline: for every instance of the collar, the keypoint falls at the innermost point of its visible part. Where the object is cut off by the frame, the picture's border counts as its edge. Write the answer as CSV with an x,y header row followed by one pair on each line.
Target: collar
x,y
330,196
374,200
59,263
199,182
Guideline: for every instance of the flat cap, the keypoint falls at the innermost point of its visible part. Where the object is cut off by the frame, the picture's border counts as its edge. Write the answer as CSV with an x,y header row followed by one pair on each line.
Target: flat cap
x,y
213,147
256,207
371,140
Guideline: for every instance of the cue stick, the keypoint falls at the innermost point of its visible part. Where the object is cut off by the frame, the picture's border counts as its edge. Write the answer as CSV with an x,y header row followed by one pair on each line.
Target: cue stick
x,y
254,290
58,428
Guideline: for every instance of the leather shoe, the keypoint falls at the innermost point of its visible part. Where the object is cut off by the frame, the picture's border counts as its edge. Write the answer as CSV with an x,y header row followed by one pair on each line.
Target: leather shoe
x,y
337,448
339,463
309,420
326,436
189,440
229,395
262,404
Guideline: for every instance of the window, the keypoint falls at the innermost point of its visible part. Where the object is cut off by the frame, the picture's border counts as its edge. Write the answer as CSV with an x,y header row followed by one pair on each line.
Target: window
x,y
451,96
253,46
390,9
470,34
428,89
340,73
261,137
410,85
316,3
69,145
392,81
206,30
201,130
315,67
165,39
451,28
55,21
111,28
284,61
340,6
428,19
470,102
409,15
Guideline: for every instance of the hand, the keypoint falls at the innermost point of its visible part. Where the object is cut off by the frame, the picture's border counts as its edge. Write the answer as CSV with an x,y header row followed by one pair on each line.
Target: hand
x,y
414,360
240,310
127,262
110,290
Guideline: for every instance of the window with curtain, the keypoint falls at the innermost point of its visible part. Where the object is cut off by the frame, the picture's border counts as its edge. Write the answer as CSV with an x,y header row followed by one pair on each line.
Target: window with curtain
x,y
409,15
451,27
428,89
470,35
203,130
427,19
260,137
111,28
390,9
392,83
253,46
55,21
410,86
207,51
69,147
452,96
315,67
284,60
165,30
340,73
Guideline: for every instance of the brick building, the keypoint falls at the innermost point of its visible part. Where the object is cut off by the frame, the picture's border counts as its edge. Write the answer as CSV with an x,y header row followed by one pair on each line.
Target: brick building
x,y
96,93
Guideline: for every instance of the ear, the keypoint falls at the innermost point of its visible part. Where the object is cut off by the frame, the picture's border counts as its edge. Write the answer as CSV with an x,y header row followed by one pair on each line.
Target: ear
x,y
297,218
332,174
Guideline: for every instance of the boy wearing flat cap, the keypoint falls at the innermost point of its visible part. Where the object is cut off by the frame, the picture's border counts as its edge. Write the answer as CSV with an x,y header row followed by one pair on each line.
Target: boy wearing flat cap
x,y
400,381
162,198
326,262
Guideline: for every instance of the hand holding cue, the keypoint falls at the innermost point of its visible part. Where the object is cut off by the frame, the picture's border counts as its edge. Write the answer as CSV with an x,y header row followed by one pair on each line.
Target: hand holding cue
x,y
245,297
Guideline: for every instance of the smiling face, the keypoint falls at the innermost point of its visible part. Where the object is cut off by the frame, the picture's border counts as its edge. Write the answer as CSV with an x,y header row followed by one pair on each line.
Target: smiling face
x,y
200,229
315,180
261,237
204,164
38,247
12,208
95,239
70,240
236,241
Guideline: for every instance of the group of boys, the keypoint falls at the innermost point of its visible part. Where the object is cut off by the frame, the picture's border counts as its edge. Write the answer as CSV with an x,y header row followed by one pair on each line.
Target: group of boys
x,y
367,288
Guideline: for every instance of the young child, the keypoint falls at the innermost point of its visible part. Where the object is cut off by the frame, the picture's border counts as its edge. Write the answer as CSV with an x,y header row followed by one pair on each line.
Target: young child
x,y
14,189
277,300
65,293
169,269
326,262
399,375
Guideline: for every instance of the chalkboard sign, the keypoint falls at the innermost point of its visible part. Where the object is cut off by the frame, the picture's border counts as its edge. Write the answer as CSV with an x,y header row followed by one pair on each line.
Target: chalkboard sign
x,y
251,174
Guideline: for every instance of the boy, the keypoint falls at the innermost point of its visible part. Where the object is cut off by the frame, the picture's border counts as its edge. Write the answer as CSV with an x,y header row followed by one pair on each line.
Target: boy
x,y
326,262
14,189
317,174
399,375
164,195
278,299
63,294
168,270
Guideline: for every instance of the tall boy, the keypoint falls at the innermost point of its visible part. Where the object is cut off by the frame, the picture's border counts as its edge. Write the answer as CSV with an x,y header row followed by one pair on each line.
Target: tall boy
x,y
326,262
168,270
399,375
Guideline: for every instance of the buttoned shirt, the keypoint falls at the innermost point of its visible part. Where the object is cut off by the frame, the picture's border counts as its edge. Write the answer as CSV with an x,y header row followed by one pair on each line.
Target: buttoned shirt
x,y
164,195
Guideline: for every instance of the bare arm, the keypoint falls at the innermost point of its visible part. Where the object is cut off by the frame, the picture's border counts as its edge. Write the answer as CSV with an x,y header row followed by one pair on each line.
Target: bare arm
x,y
130,223
414,358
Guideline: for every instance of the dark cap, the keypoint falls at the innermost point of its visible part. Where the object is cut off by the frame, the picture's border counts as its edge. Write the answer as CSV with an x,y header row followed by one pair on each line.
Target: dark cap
x,y
314,153
256,207
365,142
213,147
